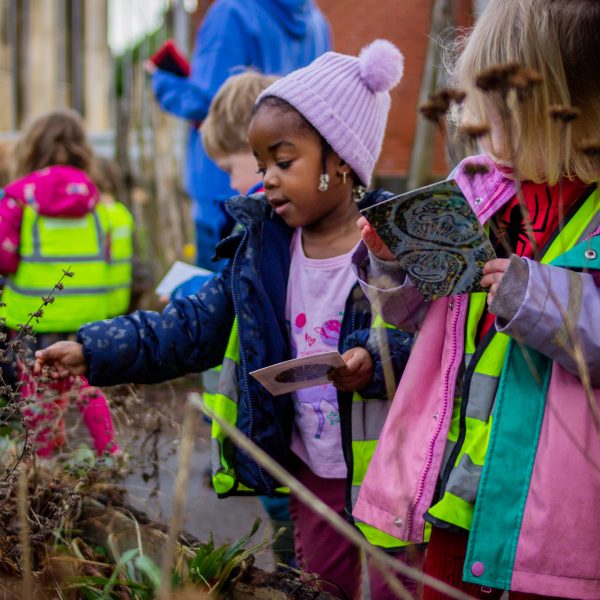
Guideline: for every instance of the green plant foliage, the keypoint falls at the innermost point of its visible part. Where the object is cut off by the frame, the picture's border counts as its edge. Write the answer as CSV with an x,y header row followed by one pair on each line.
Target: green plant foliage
x,y
217,567
212,567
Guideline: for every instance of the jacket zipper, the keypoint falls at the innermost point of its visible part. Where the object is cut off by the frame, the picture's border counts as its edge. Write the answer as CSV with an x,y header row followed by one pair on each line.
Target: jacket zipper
x,y
424,475
243,361
494,196
458,304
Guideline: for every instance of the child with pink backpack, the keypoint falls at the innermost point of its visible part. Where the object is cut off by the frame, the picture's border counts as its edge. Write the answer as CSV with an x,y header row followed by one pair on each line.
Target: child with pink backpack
x,y
51,222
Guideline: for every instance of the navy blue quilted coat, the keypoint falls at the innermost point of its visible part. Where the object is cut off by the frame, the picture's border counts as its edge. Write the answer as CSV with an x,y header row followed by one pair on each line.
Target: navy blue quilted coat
x,y
191,334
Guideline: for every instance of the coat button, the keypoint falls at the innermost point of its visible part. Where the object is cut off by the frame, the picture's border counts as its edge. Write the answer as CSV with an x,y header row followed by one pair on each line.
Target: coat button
x,y
398,522
477,569
478,200
590,254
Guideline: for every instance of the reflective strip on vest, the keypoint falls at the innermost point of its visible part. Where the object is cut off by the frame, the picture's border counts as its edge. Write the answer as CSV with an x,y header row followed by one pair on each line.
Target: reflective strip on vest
x,y
121,252
458,499
224,403
47,247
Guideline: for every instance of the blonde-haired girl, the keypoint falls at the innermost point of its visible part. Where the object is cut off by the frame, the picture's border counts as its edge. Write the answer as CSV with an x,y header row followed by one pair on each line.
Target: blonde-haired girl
x,y
493,434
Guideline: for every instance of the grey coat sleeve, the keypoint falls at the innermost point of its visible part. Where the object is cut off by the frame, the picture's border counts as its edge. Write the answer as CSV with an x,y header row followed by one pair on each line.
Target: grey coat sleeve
x,y
558,314
389,291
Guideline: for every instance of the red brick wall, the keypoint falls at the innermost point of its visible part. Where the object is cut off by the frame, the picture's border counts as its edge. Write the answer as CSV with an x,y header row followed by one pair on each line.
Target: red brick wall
x,y
354,24
406,23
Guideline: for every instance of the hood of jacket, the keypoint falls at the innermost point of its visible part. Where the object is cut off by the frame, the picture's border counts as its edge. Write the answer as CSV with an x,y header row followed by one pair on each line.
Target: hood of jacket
x,y
293,15
57,191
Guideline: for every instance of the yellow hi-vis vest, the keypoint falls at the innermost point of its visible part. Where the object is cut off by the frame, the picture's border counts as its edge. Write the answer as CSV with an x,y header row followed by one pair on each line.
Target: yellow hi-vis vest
x,y
48,246
368,416
471,424
120,254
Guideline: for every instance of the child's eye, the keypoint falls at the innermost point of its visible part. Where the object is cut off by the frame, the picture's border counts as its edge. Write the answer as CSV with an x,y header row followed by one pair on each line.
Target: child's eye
x,y
261,171
284,164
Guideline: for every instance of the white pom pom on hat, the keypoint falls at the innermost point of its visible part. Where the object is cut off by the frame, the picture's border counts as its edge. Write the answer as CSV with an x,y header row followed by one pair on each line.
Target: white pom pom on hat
x,y
346,99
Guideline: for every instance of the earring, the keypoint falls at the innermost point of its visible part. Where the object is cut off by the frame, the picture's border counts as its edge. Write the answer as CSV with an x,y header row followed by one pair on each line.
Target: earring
x,y
323,182
358,193
344,174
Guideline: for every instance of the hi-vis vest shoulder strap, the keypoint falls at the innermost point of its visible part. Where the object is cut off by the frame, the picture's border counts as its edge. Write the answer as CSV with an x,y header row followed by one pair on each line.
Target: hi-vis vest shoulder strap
x,y
472,420
48,246
120,255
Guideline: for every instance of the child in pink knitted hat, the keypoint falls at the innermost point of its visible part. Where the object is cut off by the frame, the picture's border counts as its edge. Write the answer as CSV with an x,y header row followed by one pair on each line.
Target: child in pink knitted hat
x,y
316,135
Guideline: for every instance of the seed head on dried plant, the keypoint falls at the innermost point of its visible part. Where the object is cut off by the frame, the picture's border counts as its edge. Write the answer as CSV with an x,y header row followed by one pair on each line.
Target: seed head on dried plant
x,y
506,78
563,113
15,355
590,148
436,108
473,169
439,104
474,131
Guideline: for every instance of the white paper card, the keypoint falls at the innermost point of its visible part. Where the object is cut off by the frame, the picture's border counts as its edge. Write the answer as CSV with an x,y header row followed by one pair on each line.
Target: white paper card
x,y
177,274
298,373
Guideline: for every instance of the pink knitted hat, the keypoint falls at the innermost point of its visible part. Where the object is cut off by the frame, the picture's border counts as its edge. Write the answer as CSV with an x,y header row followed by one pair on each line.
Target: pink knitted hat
x,y
346,99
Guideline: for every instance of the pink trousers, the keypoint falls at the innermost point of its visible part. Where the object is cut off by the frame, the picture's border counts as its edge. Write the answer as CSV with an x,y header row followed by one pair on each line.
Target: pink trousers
x,y
320,549
45,415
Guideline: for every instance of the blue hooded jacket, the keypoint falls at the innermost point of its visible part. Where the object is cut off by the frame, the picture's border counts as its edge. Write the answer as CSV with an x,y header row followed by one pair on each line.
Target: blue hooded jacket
x,y
272,36
191,335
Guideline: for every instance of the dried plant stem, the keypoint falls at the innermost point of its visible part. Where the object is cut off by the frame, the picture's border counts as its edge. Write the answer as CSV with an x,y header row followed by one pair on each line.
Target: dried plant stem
x,y
181,482
386,360
24,533
508,115
382,561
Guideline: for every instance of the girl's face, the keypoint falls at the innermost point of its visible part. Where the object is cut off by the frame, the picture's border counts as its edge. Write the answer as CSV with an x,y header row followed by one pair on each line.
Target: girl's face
x,y
290,160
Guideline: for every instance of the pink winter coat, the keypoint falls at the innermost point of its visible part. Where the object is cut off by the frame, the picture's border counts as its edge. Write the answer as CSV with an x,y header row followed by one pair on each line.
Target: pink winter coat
x,y
58,191
557,551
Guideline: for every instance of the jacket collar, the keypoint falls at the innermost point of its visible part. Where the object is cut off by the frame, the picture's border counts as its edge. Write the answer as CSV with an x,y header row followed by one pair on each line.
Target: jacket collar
x,y
486,192
248,210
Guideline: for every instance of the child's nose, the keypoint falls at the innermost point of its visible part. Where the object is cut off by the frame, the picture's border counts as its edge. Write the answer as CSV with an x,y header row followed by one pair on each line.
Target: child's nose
x,y
270,180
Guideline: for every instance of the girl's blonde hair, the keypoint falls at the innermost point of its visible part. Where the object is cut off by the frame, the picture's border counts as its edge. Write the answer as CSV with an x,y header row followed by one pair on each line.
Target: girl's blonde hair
x,y
559,39
56,138
225,129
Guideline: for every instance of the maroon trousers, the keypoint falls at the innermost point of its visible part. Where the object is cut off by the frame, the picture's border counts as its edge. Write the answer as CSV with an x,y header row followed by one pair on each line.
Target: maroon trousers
x,y
444,561
321,550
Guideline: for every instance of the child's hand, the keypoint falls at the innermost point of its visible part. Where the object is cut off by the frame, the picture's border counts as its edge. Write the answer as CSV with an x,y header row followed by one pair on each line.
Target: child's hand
x,y
61,359
356,373
373,242
493,272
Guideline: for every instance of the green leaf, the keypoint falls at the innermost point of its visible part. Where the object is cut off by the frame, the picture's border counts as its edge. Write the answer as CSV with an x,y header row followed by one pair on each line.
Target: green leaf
x,y
150,569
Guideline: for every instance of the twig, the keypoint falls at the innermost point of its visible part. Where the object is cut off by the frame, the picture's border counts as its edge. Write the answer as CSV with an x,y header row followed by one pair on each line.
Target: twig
x,y
187,447
24,533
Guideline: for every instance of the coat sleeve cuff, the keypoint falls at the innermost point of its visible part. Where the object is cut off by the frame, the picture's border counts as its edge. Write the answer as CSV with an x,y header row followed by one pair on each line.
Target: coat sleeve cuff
x,y
511,290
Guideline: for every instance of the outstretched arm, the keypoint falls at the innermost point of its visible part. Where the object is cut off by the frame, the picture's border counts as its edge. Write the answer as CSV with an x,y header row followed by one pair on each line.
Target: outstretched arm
x,y
190,335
